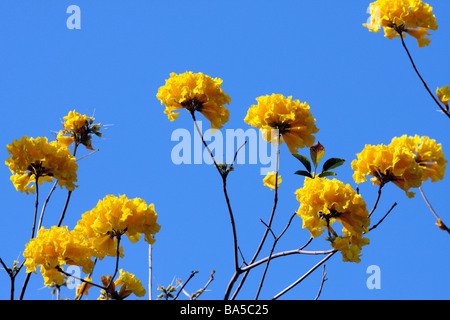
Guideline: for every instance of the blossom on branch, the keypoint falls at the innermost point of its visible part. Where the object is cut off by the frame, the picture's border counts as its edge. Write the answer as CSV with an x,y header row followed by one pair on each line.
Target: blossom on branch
x,y
195,92
55,247
323,202
114,216
291,119
37,159
397,17
406,162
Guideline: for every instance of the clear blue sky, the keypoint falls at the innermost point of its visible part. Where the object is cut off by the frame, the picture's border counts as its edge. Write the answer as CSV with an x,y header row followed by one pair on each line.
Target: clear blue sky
x,y
360,86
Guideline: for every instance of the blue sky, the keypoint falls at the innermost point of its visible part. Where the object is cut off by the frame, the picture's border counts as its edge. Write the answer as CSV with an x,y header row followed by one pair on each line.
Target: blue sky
x,y
360,86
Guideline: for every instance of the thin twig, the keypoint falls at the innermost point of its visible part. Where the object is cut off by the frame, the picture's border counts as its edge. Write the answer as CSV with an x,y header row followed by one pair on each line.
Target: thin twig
x,y
271,252
87,155
258,250
45,204
69,193
27,277
117,262
193,273
199,292
420,77
324,274
376,225
223,175
286,253
378,199
80,279
305,275
441,225
150,257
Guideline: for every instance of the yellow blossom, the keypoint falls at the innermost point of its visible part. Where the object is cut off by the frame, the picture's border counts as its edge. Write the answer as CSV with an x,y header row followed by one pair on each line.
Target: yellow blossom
x,y
323,202
443,95
33,159
427,153
129,284
396,17
195,92
55,247
406,161
269,180
114,216
292,120
84,287
350,247
78,128
388,164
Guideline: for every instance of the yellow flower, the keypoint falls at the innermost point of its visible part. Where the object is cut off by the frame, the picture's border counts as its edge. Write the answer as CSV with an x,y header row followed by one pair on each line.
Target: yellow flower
x,y
54,248
79,129
129,284
114,216
350,247
33,159
291,118
269,180
443,95
323,202
84,287
195,92
406,161
427,153
396,17
386,164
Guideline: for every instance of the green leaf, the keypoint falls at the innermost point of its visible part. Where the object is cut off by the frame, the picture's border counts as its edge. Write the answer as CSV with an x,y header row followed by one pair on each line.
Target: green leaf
x,y
303,173
327,174
304,160
332,163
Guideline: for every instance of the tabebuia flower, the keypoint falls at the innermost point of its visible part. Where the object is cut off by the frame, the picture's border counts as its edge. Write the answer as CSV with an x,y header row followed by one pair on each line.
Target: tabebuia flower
x,y
38,160
400,17
406,162
427,153
78,128
323,202
113,217
128,284
53,248
270,178
443,95
195,92
292,120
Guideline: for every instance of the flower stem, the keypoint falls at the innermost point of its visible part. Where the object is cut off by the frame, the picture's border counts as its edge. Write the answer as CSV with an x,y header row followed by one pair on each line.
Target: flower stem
x,y
225,192
446,112
442,226
268,228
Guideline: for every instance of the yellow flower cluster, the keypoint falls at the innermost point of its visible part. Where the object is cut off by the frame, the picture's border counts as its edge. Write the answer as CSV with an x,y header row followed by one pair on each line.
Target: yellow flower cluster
x,y
323,202
114,216
128,284
406,161
195,92
78,128
444,95
37,159
54,248
396,17
291,118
